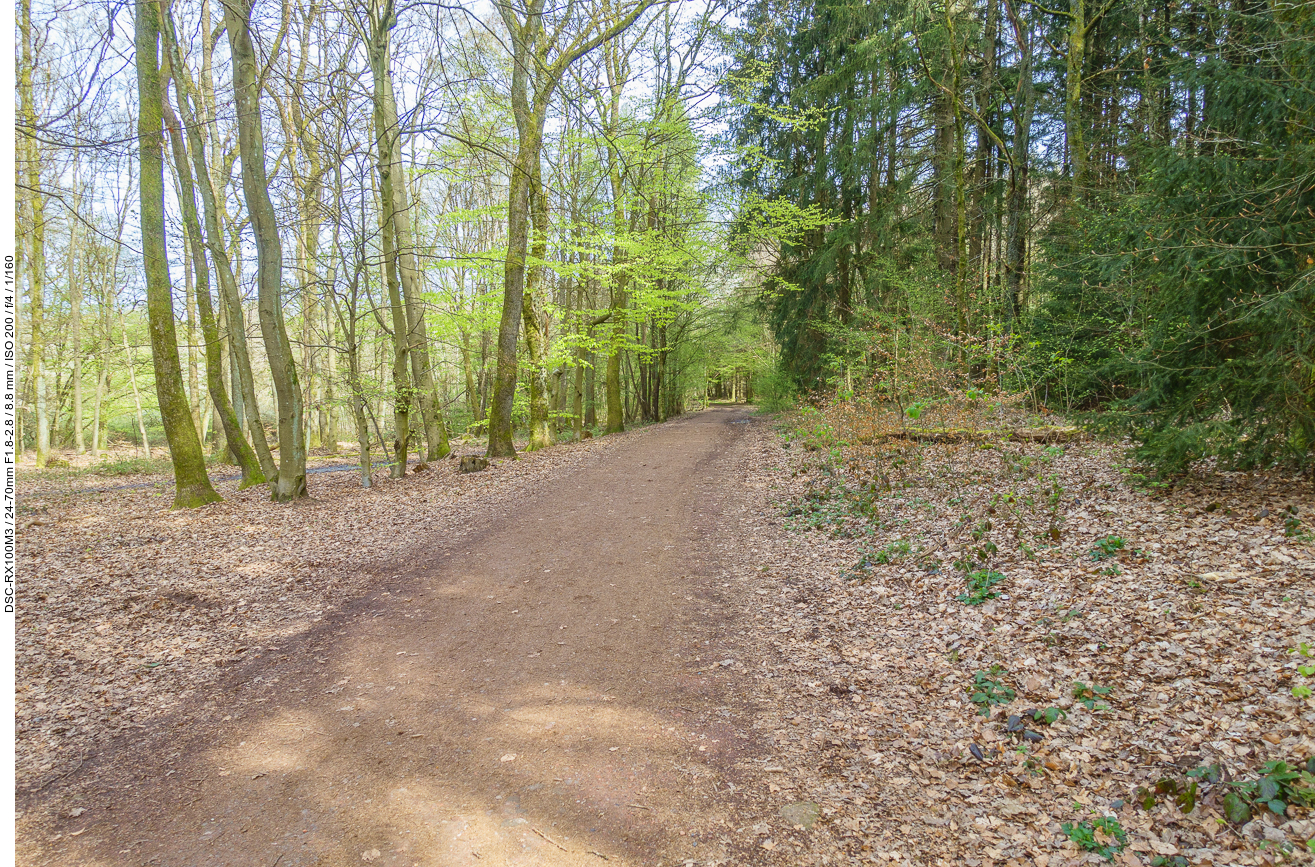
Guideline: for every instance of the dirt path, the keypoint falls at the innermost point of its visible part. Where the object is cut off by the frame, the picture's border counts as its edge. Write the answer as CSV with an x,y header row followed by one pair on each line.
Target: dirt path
x,y
537,694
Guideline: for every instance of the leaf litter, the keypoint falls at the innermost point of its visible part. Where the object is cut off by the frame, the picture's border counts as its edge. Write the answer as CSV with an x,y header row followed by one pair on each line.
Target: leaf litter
x,y
1134,636
1116,666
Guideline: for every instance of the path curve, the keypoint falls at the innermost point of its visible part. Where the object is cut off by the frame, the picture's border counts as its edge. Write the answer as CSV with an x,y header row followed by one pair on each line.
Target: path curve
x,y
536,694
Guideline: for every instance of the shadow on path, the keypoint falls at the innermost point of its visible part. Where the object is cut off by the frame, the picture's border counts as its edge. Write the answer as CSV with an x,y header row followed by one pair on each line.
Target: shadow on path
x,y
529,695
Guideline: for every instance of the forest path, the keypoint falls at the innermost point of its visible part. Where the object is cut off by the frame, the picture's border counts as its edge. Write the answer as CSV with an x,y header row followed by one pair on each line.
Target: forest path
x,y
536,694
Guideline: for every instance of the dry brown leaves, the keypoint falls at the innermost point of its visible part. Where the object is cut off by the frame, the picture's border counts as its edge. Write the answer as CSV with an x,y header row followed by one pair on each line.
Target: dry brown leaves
x,y
858,667
863,666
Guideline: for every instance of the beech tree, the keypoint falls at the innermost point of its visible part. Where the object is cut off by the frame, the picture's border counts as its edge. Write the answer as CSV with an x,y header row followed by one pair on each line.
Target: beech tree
x,y
371,237
252,474
192,485
542,47
290,482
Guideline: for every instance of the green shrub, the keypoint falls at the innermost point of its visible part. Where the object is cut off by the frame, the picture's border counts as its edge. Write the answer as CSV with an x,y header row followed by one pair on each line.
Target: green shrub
x,y
986,691
980,582
774,390
1104,836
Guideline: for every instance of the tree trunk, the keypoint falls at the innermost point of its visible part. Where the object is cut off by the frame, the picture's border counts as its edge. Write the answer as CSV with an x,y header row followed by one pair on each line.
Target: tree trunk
x,y
615,410
577,398
328,416
136,394
961,218
534,79
291,480
590,391
191,484
422,372
75,326
221,449
617,70
513,301
97,438
468,370
358,413
1075,61
354,375
525,38
214,363
245,404
36,257
943,153
536,342
401,370
397,207
660,378
387,164
189,290
1017,228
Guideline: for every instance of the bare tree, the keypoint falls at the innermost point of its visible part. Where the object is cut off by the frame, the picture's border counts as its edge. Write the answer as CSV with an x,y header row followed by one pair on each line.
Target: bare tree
x,y
291,480
192,485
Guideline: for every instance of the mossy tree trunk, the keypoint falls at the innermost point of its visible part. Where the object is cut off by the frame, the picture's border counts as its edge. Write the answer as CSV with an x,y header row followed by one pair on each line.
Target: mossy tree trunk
x,y
194,105
36,250
291,481
192,485
404,392
536,342
397,207
214,362
540,58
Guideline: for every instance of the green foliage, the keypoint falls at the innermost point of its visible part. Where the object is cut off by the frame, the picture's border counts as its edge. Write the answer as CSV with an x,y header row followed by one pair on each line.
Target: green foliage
x,y
1236,809
979,586
774,391
1182,304
814,432
1169,291
1104,836
891,553
1048,716
917,408
1302,690
1293,527
1222,336
1277,786
1107,547
986,691
837,508
1089,696
896,550
1184,793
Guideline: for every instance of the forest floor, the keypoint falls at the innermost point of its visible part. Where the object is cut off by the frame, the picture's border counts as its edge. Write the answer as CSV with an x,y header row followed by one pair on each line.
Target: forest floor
x,y
720,640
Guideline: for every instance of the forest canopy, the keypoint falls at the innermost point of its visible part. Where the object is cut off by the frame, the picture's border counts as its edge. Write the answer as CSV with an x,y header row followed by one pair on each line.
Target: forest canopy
x,y
262,229
1107,206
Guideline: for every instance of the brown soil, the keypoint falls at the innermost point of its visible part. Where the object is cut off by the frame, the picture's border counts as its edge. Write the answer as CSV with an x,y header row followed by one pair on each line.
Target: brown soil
x,y
666,648
544,689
